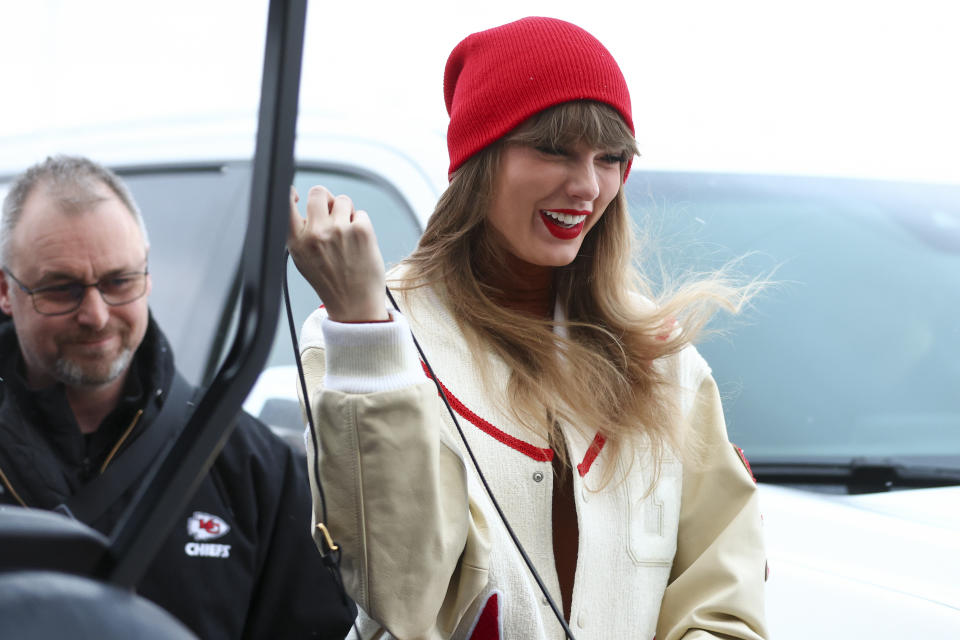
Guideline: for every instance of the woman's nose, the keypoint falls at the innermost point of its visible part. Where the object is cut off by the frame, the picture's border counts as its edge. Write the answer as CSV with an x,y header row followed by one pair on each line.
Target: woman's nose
x,y
583,184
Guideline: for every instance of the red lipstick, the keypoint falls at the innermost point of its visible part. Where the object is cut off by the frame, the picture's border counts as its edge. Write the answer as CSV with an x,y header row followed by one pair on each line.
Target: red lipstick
x,y
557,229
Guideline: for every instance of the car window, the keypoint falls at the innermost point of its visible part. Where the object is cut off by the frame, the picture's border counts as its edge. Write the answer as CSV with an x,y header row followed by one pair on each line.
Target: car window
x,y
853,351
195,218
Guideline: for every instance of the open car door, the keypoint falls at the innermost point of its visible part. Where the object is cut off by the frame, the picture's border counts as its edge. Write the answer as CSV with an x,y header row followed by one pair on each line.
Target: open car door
x,y
58,576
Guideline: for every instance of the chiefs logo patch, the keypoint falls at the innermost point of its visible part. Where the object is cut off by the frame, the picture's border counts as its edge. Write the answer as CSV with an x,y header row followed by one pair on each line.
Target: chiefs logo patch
x,y
204,526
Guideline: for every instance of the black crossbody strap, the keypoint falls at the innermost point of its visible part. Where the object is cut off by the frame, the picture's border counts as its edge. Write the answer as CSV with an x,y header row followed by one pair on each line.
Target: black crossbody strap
x,y
95,497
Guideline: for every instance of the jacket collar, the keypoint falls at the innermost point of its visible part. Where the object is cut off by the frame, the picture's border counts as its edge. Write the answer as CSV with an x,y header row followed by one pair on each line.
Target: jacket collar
x,y
40,425
453,362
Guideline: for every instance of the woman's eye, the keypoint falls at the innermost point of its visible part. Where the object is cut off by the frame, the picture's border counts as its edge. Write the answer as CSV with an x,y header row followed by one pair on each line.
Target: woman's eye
x,y
614,158
551,151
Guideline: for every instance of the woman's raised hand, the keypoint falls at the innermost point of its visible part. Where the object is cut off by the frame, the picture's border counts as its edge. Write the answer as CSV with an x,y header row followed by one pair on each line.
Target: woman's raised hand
x,y
336,250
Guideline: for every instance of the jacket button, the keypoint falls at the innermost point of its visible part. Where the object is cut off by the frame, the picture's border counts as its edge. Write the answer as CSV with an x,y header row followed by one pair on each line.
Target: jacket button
x,y
537,476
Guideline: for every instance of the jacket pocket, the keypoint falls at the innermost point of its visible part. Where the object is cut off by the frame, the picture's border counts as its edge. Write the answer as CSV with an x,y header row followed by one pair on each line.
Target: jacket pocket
x,y
653,514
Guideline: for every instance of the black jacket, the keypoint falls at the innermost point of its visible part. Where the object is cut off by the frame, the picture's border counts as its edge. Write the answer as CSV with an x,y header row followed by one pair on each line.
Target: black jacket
x,y
240,562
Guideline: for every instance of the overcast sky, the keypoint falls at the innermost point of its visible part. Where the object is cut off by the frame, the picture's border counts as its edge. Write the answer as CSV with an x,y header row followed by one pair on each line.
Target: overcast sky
x,y
827,86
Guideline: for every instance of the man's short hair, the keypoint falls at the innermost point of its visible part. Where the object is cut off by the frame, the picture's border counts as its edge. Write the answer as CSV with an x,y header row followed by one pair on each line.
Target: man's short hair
x,y
73,182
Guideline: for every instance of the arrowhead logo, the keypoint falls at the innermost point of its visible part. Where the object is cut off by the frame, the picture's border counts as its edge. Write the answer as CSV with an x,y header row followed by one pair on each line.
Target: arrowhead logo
x,y
204,526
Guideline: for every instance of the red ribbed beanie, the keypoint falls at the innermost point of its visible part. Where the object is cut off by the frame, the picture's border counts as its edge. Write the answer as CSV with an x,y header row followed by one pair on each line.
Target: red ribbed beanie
x,y
496,79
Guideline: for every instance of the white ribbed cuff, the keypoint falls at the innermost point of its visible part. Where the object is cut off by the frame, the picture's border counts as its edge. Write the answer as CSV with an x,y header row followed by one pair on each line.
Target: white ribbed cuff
x,y
370,357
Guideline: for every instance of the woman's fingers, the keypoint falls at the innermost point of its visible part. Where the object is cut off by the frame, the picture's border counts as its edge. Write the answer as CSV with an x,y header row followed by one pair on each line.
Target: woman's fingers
x,y
319,201
335,248
296,220
341,210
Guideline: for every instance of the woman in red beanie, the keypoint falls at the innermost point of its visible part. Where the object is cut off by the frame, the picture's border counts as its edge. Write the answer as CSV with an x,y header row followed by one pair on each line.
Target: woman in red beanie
x,y
595,422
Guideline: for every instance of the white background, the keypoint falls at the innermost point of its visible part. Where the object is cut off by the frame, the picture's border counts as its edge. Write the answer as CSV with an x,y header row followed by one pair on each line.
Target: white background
x,y
846,87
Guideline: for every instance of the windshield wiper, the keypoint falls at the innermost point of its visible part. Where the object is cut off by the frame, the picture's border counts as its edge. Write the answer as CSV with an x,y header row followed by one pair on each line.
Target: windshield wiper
x,y
860,475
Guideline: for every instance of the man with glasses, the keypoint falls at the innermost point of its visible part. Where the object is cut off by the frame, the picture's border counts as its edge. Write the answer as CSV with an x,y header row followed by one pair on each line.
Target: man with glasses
x,y
84,373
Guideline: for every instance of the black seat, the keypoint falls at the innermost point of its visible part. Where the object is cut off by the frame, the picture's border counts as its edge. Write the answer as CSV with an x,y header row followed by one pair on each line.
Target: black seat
x,y
45,604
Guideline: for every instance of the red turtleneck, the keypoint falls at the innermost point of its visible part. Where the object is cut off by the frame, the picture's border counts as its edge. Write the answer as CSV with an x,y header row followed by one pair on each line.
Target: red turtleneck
x,y
528,288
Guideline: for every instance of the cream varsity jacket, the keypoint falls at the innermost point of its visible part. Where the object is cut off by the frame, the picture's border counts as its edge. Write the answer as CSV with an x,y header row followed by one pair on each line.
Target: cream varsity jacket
x,y
425,554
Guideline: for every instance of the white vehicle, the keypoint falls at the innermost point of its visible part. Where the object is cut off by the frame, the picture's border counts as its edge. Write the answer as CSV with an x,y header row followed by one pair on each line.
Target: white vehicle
x,y
840,383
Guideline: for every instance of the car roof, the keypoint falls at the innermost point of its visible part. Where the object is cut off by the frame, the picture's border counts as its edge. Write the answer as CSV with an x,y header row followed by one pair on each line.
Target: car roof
x,y
411,159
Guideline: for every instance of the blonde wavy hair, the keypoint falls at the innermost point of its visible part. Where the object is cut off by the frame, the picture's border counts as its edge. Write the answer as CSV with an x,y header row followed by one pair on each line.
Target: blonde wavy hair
x,y
616,325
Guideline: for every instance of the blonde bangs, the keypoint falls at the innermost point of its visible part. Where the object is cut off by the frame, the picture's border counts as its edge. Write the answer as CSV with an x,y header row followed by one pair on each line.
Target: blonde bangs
x,y
594,123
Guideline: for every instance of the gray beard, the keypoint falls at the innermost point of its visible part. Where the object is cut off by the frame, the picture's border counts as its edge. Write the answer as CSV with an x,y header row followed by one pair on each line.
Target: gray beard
x,y
73,375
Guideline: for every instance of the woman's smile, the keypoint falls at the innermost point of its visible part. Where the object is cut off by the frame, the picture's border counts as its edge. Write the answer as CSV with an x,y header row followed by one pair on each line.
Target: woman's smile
x,y
564,223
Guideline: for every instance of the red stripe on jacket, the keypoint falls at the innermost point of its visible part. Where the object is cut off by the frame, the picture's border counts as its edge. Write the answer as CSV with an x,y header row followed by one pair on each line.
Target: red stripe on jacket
x,y
537,453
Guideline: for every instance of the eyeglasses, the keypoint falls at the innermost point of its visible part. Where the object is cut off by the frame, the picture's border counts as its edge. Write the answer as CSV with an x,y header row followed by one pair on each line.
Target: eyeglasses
x,y
60,299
